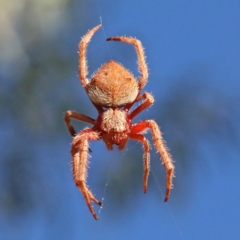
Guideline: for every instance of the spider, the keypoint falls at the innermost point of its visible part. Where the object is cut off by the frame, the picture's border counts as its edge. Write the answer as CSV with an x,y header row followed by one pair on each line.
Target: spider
x,y
113,91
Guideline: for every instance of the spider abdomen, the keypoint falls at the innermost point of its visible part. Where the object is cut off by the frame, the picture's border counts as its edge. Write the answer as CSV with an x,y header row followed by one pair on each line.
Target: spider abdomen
x,y
112,86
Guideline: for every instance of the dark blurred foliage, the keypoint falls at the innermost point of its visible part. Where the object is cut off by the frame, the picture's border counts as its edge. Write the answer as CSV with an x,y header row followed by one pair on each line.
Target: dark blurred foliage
x,y
39,83
32,97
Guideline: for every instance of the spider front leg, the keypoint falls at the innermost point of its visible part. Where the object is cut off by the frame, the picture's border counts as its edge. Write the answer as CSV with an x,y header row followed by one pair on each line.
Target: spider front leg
x,y
83,69
161,148
80,163
146,157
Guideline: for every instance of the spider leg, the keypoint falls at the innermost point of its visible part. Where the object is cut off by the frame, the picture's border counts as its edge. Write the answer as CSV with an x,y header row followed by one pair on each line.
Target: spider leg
x,y
80,163
146,156
142,66
147,103
161,148
83,69
78,116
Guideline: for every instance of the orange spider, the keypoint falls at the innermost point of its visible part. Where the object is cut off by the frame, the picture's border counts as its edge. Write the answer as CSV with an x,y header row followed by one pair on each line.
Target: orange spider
x,y
113,90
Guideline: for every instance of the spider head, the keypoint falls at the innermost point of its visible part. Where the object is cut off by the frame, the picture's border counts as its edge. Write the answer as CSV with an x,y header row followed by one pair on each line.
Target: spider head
x,y
112,86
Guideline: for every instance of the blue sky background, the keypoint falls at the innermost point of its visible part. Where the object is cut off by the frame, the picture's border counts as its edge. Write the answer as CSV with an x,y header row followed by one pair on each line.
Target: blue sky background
x,y
193,55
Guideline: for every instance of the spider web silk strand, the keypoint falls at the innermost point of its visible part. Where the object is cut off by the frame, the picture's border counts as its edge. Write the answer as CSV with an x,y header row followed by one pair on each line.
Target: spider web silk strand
x,y
167,205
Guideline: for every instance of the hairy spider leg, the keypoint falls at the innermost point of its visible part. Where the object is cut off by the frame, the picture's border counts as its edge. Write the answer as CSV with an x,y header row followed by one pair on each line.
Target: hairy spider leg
x,y
83,68
142,66
80,163
78,116
161,148
149,100
146,156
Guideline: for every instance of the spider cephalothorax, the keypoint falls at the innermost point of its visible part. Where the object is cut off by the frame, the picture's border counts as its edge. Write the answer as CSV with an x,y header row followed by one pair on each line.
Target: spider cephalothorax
x,y
113,90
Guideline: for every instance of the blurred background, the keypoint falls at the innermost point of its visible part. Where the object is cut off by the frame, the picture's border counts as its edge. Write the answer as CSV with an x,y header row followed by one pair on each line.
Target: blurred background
x,y
193,55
